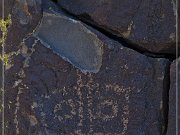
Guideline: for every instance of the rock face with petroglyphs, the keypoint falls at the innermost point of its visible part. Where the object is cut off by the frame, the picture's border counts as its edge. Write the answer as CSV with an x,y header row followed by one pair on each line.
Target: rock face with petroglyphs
x,y
124,98
24,16
149,25
66,77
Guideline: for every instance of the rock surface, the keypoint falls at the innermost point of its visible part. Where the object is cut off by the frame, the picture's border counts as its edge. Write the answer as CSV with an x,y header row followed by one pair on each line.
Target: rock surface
x,y
112,101
148,25
72,41
8,4
173,98
24,15
48,95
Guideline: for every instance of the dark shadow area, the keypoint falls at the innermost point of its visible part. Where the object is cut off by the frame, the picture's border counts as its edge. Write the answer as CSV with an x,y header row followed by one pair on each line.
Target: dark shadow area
x,y
54,1
165,110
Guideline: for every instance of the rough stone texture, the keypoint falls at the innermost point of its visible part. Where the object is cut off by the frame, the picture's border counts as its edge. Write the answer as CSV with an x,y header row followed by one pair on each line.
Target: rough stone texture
x,y
8,4
25,15
125,97
47,95
71,40
149,25
172,99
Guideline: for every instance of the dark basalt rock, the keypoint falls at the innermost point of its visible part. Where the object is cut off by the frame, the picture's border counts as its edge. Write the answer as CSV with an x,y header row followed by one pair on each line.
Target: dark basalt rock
x,y
125,96
25,15
44,94
173,98
148,25
54,97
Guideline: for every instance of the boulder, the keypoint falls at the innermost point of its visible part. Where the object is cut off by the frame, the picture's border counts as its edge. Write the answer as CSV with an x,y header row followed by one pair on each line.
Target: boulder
x,y
48,92
146,25
80,47
125,96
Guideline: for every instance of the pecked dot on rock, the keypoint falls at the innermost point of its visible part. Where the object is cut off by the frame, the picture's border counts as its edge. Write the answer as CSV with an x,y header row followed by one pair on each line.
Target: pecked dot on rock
x,y
72,41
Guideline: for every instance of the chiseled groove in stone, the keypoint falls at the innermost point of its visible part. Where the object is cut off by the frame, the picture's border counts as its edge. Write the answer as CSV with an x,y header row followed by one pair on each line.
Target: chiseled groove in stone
x,y
72,41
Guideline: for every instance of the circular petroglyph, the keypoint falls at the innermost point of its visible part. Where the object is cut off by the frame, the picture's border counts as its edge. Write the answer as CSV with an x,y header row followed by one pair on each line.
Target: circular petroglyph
x,y
107,110
65,110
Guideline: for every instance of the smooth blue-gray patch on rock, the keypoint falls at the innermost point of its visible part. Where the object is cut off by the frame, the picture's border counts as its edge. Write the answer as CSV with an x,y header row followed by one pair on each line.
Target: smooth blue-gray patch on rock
x,y
71,40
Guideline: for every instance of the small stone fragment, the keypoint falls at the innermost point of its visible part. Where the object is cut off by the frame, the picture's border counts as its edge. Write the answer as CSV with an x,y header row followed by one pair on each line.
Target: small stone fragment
x,y
72,41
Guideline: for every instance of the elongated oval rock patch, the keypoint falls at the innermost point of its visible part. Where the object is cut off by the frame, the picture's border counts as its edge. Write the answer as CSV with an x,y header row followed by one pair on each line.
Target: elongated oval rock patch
x,y
71,40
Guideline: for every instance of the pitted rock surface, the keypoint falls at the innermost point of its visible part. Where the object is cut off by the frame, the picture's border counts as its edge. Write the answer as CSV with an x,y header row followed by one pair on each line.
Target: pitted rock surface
x,y
25,15
54,97
19,10
148,25
124,98
47,95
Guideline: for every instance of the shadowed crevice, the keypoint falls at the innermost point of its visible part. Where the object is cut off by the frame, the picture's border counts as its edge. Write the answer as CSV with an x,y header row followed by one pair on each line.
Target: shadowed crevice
x,y
165,110
125,42
55,1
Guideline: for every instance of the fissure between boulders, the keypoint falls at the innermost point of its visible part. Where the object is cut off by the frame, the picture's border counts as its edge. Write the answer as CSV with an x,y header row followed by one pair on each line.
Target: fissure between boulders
x,y
123,41
54,1
165,110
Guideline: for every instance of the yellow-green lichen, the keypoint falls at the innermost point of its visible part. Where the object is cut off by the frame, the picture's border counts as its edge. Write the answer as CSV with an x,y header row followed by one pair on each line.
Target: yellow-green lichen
x,y
4,28
1,108
7,59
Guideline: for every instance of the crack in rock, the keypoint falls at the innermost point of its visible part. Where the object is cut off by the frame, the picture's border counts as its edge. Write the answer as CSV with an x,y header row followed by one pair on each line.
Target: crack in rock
x,y
153,21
